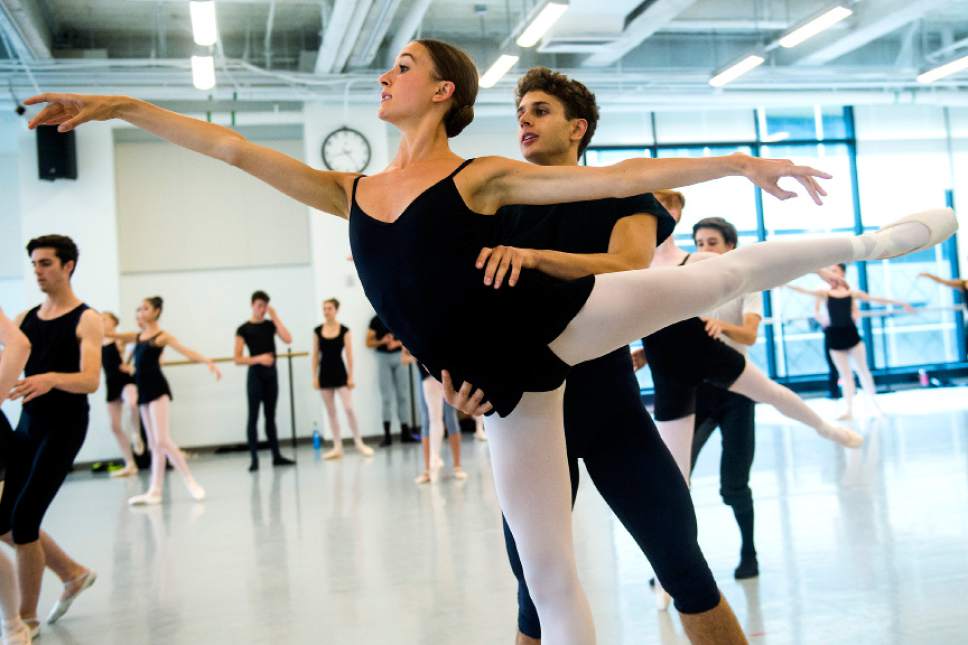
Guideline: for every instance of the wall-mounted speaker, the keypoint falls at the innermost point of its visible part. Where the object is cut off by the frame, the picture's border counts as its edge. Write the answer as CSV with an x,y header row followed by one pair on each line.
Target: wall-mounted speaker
x,y
56,154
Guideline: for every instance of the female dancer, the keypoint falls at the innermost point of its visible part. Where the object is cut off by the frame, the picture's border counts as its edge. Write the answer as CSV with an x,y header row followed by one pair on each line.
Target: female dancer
x,y
331,376
435,414
846,345
13,357
122,395
416,231
154,399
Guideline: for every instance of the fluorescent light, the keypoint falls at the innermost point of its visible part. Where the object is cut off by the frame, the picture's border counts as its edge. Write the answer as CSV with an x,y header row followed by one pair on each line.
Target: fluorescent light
x,y
203,72
776,137
824,21
947,69
733,72
500,67
547,17
204,27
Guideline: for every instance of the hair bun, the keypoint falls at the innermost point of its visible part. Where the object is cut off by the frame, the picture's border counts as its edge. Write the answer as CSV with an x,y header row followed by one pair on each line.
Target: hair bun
x,y
458,119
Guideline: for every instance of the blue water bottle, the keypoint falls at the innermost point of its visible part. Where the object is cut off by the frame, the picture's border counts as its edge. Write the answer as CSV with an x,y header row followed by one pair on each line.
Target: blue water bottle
x,y
317,438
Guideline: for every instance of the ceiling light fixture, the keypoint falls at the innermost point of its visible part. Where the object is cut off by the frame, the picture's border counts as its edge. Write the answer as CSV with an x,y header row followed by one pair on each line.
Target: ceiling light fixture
x,y
937,73
814,26
500,67
203,72
736,70
204,26
546,17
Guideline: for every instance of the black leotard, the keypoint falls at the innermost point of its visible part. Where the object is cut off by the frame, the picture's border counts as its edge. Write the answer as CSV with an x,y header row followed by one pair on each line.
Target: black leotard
x,y
332,369
420,275
115,379
148,376
681,357
842,332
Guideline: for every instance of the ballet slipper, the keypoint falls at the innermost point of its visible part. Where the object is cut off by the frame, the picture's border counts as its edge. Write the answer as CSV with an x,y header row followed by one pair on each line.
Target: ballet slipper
x,y
127,471
195,490
19,635
80,584
459,473
363,449
149,498
33,627
423,478
718,626
335,453
940,223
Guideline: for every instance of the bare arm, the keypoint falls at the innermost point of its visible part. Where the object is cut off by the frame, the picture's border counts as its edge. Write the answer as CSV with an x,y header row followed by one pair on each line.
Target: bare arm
x,y
323,190
746,333
497,181
125,337
820,294
167,340
863,295
631,246
16,351
281,330
348,348
315,361
954,284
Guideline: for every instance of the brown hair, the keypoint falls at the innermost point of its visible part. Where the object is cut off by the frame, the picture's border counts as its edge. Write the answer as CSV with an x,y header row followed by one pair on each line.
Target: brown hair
x,y
156,302
453,64
64,248
578,100
671,196
334,301
110,315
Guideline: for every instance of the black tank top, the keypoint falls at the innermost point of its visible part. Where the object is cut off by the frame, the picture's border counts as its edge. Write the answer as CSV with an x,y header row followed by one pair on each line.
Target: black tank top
x,y
111,362
841,311
54,348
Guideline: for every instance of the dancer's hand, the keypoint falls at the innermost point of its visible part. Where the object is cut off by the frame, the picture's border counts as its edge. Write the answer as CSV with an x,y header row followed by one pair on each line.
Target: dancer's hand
x,y
497,261
834,279
468,400
32,387
67,111
213,368
714,327
638,359
268,359
766,173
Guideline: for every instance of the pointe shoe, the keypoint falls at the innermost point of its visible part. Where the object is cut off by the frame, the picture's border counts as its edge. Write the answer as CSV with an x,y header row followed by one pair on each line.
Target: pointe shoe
x,y
459,474
196,491
127,471
423,478
82,583
33,627
662,597
841,435
363,449
146,499
335,453
940,222
480,436
22,635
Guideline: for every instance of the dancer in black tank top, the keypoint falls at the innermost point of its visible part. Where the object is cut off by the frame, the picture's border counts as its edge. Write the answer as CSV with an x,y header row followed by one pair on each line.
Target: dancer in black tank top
x,y
122,397
416,230
64,367
154,399
332,377
847,349
258,335
955,283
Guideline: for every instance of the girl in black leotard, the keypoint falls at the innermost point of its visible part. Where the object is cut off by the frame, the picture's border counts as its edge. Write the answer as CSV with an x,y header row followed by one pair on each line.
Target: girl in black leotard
x,y
14,350
332,377
122,395
417,229
843,339
154,399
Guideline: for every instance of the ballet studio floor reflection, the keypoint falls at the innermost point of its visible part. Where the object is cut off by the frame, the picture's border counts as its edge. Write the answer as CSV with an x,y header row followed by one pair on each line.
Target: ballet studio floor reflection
x,y
856,547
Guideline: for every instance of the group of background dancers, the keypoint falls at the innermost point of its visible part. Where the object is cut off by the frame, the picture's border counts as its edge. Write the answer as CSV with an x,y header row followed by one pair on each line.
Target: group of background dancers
x,y
546,292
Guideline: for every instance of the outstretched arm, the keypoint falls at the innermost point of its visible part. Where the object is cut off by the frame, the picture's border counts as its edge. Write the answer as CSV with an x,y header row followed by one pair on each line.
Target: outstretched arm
x,y
497,181
168,340
326,191
954,284
816,293
16,350
126,337
863,295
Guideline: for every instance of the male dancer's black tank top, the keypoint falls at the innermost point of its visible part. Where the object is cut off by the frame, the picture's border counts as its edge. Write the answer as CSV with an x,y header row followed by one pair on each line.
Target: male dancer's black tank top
x,y
54,347
420,275
148,376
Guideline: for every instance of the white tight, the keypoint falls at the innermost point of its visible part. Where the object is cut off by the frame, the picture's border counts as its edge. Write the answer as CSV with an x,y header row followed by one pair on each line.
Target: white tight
x,y
155,417
857,355
528,446
9,594
129,398
346,397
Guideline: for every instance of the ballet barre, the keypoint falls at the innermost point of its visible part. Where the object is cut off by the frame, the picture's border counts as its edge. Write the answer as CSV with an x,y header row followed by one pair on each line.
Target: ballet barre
x,y
868,314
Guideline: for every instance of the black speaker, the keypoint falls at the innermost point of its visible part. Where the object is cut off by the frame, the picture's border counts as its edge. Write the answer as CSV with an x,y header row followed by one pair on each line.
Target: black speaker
x,y
56,154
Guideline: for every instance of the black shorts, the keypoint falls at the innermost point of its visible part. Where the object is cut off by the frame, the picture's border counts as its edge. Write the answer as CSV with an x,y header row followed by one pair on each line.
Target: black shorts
x,y
682,357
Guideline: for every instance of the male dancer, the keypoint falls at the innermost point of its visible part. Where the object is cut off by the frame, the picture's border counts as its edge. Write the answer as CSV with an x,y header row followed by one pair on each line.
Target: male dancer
x,y
605,421
394,380
63,368
258,334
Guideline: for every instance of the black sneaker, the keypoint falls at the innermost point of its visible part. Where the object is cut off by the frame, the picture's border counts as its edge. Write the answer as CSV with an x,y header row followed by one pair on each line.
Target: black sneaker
x,y
282,461
254,466
748,568
387,441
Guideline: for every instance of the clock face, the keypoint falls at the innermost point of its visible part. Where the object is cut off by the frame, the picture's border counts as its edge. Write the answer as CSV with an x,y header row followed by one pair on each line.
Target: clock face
x,y
346,150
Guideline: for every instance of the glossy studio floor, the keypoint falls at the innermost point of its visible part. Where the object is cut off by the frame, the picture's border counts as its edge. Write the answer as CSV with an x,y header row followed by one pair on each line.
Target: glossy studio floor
x,y
869,546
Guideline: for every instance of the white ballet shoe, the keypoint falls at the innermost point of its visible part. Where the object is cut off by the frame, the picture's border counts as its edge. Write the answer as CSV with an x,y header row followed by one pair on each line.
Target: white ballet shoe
x,y
137,444
662,597
940,223
146,499
83,583
335,453
196,491
127,471
479,435
422,478
459,474
363,449
33,627
841,435
19,634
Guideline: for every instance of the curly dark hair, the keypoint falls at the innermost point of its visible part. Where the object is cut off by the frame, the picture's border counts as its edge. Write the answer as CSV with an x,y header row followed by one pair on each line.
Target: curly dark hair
x,y
578,100
725,228
64,248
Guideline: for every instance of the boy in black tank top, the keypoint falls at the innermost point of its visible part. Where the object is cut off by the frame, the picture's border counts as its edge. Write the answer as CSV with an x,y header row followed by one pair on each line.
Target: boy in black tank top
x,y
63,368
606,423
258,334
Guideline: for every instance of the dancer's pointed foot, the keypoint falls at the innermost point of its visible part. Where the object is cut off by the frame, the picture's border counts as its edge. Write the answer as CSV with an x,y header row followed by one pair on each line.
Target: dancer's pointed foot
x,y
195,490
72,590
909,234
19,634
137,444
127,471
459,473
748,567
148,498
335,453
33,626
839,434
363,449
422,478
279,460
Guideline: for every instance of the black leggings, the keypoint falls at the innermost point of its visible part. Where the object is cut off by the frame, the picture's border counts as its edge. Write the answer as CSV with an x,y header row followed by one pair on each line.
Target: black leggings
x,y
607,425
42,453
734,415
262,387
